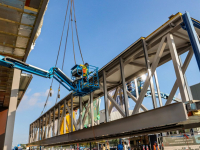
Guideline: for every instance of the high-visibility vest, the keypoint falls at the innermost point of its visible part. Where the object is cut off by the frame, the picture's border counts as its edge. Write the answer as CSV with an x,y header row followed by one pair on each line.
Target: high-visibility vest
x,y
154,147
84,69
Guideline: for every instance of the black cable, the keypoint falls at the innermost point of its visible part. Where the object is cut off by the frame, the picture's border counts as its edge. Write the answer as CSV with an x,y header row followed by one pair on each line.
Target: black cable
x,y
72,33
64,52
57,56
77,33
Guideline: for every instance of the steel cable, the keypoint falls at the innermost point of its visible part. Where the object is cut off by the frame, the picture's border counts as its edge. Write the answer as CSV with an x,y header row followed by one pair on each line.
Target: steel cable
x,y
57,57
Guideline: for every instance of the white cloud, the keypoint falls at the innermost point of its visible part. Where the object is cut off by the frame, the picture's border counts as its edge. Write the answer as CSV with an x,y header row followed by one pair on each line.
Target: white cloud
x,y
36,99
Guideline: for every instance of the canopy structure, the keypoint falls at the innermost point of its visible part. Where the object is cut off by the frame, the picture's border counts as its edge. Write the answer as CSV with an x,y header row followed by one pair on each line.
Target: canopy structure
x,y
20,25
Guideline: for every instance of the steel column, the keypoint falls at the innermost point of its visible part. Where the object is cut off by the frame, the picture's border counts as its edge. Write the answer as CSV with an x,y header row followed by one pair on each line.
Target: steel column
x,y
39,136
58,124
154,65
80,113
158,88
64,116
124,87
147,61
72,123
12,110
192,36
43,127
91,109
136,88
105,96
45,133
50,127
53,129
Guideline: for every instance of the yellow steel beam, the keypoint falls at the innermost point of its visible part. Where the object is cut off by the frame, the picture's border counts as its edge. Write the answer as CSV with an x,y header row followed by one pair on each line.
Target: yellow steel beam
x,y
11,21
17,9
14,34
31,9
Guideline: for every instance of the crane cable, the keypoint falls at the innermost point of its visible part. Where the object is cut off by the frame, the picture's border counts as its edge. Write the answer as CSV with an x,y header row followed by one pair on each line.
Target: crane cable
x,y
56,58
77,33
64,56
72,33
72,1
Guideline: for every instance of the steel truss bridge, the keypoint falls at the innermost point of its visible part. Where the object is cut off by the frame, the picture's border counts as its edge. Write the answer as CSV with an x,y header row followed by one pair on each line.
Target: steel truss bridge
x,y
178,35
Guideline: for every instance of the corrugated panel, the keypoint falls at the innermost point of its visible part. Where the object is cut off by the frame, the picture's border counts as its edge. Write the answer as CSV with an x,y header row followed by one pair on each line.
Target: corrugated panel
x,y
21,42
9,27
28,19
10,14
19,52
15,3
7,39
24,30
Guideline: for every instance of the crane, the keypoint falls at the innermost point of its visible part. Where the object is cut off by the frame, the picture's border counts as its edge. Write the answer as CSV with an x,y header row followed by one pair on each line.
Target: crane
x,y
76,84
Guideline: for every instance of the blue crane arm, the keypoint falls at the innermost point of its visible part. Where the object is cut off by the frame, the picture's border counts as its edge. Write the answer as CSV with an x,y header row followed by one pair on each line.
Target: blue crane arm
x,y
54,72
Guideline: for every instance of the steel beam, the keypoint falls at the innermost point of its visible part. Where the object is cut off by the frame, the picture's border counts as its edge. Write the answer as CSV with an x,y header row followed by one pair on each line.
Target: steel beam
x,y
177,67
86,111
117,106
193,37
126,103
147,61
135,100
137,64
147,120
158,88
39,136
105,96
175,86
43,127
153,68
71,116
114,97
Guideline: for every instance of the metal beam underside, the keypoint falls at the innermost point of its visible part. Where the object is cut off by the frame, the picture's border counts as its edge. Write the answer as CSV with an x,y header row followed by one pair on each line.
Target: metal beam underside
x,y
136,123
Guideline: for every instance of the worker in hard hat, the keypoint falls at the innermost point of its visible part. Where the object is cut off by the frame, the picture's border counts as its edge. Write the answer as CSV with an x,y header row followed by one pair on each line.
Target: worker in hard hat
x,y
85,71
155,146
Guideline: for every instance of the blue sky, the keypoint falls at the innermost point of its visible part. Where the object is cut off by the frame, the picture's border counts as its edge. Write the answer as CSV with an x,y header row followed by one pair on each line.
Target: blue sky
x,y
106,28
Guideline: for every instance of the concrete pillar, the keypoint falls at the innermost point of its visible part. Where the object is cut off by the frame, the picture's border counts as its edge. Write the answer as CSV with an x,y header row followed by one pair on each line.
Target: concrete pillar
x,y
12,110
3,118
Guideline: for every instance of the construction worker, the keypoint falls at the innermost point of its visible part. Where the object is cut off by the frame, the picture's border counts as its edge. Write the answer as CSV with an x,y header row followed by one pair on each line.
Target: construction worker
x,y
85,71
155,146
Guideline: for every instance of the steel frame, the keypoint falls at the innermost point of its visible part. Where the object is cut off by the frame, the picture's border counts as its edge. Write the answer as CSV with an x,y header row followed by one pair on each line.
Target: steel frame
x,y
162,39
